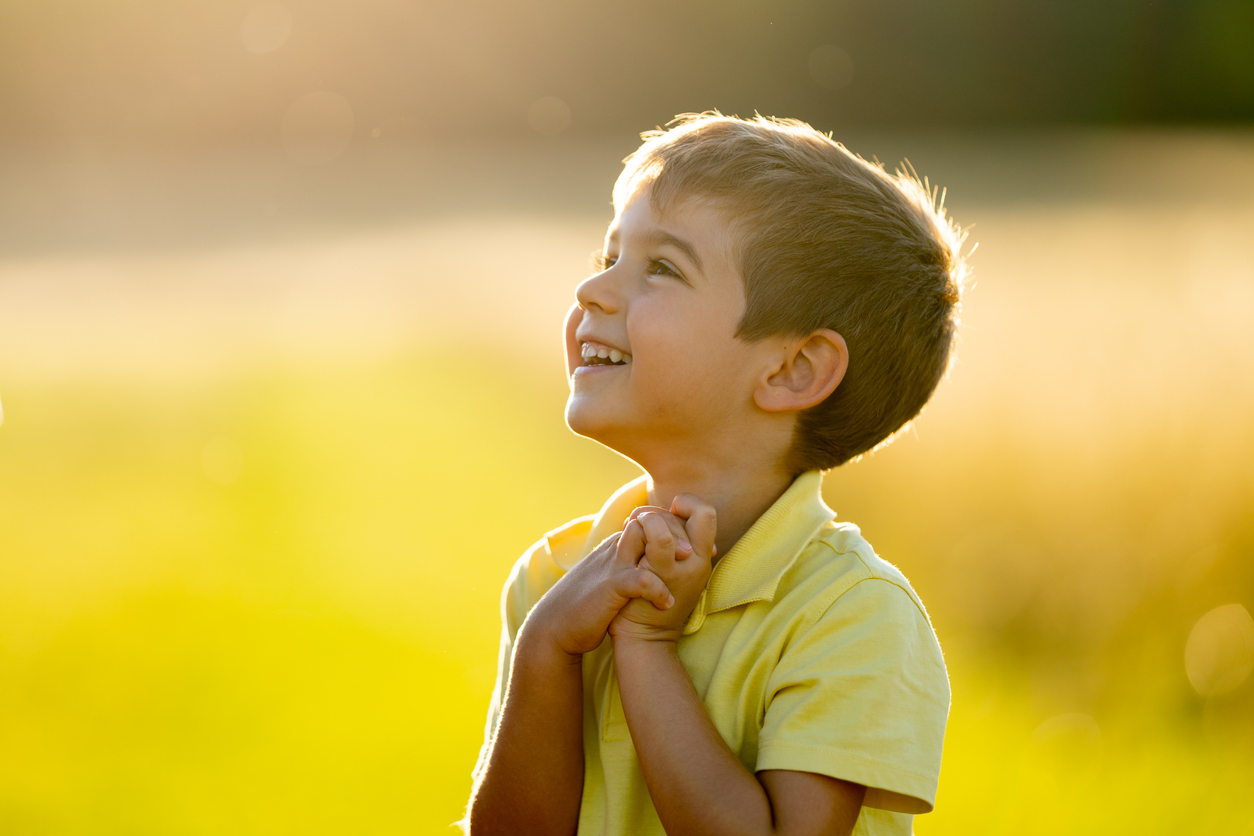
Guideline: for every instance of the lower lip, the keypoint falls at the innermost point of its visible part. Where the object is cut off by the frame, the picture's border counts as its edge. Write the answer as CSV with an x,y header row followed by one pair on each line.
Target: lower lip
x,y
595,369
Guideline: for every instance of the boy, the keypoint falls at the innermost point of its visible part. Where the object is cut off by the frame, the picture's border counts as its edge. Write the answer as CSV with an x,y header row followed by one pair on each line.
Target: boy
x,y
712,653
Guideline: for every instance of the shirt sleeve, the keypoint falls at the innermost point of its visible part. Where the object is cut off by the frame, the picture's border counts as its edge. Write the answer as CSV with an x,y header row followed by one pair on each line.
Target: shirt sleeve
x,y
862,695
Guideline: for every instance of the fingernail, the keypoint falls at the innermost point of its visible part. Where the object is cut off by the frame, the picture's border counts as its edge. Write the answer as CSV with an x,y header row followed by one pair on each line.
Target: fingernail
x,y
684,544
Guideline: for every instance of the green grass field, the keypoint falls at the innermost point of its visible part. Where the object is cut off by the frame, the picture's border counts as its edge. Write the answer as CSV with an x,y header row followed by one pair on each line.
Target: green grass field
x,y
250,550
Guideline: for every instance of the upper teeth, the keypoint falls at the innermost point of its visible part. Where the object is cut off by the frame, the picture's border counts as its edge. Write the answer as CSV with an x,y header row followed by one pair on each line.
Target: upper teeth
x,y
590,350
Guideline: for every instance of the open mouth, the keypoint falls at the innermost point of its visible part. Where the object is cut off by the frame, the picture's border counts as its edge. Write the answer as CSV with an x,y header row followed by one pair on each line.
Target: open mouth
x,y
596,354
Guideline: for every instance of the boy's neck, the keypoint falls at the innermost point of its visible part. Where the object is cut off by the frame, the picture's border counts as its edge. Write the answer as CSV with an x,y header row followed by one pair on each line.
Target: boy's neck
x,y
740,492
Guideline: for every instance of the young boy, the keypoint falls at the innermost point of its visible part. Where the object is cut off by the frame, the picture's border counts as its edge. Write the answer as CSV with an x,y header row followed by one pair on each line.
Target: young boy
x,y
712,653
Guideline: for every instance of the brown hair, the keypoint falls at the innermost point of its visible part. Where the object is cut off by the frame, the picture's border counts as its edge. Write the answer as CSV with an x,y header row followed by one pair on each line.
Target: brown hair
x,y
828,240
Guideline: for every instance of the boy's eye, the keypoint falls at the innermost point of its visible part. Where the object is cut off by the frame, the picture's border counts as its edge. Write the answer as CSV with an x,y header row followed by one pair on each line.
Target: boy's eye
x,y
661,268
602,262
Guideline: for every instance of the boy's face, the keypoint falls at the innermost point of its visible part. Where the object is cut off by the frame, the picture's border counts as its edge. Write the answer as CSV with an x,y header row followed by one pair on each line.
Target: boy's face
x,y
665,307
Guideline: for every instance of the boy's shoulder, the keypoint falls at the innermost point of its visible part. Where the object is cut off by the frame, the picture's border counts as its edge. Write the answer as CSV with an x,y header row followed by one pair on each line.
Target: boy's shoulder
x,y
845,541
838,561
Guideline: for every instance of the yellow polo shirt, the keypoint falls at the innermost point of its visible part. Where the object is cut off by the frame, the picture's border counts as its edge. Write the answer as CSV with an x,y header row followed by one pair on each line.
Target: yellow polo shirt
x,y
809,652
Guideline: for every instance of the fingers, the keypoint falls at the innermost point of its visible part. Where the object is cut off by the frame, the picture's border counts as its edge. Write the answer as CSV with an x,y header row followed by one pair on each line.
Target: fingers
x,y
641,509
660,542
630,544
701,522
682,547
641,583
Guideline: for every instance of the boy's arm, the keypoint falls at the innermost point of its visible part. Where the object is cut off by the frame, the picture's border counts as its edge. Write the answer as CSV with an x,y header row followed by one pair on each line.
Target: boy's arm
x,y
697,783
534,775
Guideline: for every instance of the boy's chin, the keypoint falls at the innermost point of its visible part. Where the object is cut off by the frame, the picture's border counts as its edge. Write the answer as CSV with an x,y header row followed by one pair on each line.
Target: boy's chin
x,y
578,419
582,420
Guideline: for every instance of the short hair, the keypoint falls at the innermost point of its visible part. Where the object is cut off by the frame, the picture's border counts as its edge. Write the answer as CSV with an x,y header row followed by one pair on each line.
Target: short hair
x,y
828,240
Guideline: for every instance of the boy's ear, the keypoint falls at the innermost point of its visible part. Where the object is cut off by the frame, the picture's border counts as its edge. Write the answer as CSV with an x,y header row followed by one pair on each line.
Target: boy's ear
x,y
806,371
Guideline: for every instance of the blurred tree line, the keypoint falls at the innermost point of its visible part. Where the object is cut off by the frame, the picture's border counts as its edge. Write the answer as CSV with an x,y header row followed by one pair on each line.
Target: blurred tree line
x,y
154,73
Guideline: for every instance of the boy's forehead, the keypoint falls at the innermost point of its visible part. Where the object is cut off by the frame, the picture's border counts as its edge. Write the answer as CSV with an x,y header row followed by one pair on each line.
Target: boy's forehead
x,y
683,217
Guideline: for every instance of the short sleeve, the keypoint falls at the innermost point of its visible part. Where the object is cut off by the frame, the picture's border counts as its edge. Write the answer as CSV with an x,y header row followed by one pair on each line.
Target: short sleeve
x,y
862,695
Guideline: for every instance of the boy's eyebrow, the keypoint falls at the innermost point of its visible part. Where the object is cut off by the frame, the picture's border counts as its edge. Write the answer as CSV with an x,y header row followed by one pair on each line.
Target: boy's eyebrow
x,y
661,238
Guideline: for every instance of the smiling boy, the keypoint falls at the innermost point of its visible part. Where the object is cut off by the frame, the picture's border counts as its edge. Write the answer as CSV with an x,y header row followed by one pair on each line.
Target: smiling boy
x,y
712,652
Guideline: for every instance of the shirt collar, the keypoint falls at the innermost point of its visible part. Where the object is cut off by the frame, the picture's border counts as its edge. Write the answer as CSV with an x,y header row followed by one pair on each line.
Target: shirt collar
x,y
752,569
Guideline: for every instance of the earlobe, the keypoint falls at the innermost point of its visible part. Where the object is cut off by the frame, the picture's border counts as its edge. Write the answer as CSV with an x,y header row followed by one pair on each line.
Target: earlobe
x,y
808,370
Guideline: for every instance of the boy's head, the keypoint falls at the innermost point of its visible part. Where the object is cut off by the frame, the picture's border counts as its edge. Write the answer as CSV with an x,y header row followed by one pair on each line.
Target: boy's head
x,y
823,240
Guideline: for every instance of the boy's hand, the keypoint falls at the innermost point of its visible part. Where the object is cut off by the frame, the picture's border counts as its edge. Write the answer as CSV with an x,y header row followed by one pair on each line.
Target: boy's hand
x,y
678,548
576,613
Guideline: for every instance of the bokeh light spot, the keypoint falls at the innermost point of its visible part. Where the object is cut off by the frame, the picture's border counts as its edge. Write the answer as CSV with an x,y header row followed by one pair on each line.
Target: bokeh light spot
x,y
221,461
549,116
266,28
830,67
317,128
1220,652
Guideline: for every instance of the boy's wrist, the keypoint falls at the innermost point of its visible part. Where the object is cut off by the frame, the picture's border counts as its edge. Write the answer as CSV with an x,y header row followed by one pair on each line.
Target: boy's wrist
x,y
538,646
632,641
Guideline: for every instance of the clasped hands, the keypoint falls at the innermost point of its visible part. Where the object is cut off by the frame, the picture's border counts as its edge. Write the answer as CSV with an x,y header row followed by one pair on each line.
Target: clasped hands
x,y
639,584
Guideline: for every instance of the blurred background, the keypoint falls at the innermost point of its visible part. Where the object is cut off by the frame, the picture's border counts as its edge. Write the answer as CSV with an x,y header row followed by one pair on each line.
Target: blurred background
x,y
281,288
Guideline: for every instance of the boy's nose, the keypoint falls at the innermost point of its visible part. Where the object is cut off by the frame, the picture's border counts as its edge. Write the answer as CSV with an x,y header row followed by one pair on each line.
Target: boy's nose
x,y
599,292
